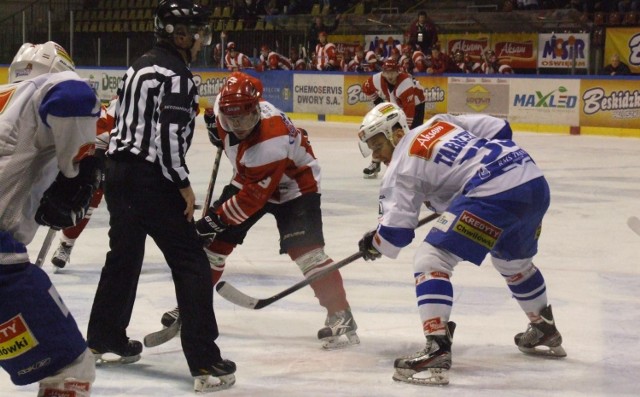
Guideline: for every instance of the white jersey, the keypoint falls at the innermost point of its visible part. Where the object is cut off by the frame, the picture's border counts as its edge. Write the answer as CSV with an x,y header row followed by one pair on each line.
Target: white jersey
x,y
440,160
47,124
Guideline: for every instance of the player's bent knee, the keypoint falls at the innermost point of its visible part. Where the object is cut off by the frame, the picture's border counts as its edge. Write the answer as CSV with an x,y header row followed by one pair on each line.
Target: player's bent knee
x,y
513,267
430,259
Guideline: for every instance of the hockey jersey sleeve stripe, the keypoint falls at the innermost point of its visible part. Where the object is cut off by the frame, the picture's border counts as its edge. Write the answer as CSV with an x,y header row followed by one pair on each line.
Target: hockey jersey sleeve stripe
x,y
392,239
70,98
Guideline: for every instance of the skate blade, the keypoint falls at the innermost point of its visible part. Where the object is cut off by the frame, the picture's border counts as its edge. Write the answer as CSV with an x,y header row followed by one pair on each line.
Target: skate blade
x,y
430,377
340,341
114,359
370,176
210,383
544,351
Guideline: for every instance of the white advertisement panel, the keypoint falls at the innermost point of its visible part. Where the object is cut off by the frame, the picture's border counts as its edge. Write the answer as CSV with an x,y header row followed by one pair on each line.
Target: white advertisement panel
x,y
103,81
319,94
544,101
558,50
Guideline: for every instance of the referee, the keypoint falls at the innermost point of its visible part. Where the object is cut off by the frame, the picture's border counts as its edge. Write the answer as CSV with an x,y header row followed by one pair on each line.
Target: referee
x,y
148,192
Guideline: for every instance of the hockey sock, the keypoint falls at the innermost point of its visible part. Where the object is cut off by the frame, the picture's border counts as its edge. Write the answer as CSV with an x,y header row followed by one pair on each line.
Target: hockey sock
x,y
217,253
529,289
329,289
435,299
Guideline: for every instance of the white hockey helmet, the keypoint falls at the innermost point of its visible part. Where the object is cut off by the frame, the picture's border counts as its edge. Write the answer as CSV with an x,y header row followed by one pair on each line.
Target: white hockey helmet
x,y
381,120
35,59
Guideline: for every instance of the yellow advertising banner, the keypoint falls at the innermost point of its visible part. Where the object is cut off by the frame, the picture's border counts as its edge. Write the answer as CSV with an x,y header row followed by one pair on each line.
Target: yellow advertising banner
x,y
4,75
357,104
355,101
436,92
610,103
626,43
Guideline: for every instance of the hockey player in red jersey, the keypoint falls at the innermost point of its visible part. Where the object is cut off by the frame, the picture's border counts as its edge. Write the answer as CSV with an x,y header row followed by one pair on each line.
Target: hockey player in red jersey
x,y
105,123
392,85
275,172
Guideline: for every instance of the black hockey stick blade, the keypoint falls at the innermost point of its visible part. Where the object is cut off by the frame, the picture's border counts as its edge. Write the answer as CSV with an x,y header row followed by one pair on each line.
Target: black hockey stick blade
x,y
164,335
237,297
45,247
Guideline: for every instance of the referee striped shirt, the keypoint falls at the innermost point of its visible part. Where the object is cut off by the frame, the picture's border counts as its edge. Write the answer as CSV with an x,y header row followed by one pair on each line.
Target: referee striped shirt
x,y
155,113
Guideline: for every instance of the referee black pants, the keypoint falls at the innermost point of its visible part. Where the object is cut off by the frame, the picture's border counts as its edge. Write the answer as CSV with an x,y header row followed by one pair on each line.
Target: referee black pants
x,y
141,202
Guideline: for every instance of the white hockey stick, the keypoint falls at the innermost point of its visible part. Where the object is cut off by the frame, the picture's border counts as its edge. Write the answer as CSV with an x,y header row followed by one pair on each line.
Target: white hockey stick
x,y
634,224
166,334
237,297
46,244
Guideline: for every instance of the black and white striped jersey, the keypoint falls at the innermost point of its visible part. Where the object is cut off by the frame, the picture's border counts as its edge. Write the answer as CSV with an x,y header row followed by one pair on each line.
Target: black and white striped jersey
x,y
155,113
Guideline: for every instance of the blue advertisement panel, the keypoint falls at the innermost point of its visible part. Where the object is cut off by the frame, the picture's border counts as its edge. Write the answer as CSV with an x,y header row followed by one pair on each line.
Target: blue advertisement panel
x,y
277,87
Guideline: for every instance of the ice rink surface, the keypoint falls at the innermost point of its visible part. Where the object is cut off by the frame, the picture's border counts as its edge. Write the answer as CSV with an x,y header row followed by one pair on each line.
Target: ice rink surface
x,y
588,256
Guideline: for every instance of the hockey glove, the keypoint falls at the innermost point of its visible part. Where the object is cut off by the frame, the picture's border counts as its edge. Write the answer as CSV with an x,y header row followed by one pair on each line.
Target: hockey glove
x,y
209,226
212,129
369,252
66,201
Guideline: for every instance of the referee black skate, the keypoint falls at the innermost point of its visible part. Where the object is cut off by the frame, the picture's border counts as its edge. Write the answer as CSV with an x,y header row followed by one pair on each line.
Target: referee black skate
x,y
148,193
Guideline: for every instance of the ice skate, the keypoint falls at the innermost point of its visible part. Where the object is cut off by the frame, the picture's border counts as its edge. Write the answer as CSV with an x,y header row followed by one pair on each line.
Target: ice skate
x,y
170,317
542,339
339,331
62,256
371,172
218,377
127,354
432,363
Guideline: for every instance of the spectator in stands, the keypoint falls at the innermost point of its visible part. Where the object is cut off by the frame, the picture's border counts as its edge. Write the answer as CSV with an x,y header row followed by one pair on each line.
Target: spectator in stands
x,y
467,64
616,67
216,56
440,62
528,5
319,26
249,11
628,5
271,60
235,60
423,33
297,62
326,54
491,65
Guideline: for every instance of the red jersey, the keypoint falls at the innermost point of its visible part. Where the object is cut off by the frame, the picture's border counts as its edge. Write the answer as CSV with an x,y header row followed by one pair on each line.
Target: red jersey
x,y
274,164
275,61
326,56
239,62
407,93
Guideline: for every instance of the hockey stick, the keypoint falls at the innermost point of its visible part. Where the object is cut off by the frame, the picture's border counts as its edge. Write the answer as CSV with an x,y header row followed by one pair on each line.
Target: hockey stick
x,y
46,244
212,181
166,334
235,296
634,224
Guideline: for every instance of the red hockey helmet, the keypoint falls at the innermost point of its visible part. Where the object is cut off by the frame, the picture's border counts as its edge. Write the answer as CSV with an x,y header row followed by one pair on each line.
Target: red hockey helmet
x,y
239,106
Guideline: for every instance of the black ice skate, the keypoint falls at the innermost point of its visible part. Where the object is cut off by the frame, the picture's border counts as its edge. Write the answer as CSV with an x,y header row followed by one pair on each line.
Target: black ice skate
x,y
126,354
542,339
339,331
432,363
218,376
62,256
371,171
170,317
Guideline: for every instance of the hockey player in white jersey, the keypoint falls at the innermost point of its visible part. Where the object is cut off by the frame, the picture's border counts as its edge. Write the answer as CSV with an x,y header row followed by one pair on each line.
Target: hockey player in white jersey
x,y
491,197
47,176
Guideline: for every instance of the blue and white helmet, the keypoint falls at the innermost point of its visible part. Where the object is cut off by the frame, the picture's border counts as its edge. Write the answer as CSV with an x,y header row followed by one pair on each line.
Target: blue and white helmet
x,y
33,60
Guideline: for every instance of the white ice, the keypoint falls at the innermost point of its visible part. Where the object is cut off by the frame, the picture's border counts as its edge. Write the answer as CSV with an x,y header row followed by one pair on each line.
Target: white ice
x,y
588,256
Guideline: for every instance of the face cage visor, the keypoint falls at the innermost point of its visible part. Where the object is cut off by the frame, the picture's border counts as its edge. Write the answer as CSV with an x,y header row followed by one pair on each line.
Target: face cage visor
x,y
240,125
